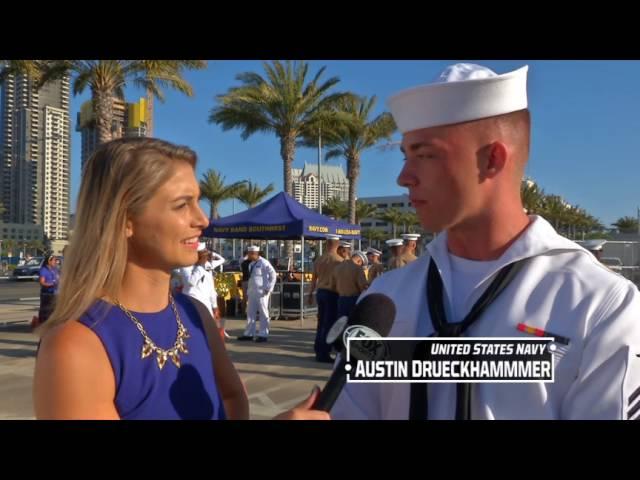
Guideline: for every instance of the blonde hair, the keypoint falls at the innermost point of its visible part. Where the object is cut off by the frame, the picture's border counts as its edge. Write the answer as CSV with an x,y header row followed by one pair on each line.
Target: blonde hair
x,y
117,182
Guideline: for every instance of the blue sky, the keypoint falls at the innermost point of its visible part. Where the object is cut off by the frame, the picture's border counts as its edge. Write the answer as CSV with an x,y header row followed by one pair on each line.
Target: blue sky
x,y
585,138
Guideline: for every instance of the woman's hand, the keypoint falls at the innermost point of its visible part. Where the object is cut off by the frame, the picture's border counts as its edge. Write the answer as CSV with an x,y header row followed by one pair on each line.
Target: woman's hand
x,y
303,411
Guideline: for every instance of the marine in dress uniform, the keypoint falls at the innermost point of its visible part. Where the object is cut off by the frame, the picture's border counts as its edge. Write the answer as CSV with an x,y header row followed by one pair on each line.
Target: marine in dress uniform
x,y
326,297
344,250
410,243
595,247
376,268
396,247
561,289
349,281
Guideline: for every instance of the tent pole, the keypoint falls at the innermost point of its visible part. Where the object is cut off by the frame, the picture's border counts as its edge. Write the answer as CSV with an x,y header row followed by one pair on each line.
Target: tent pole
x,y
302,283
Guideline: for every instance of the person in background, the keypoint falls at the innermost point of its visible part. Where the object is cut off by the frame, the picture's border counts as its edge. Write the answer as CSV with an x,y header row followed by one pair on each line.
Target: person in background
x,y
213,262
595,247
344,250
327,299
49,279
262,280
396,248
376,268
244,283
410,244
349,281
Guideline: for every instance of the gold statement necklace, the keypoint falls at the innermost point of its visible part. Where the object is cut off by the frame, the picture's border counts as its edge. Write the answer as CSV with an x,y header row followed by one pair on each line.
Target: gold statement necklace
x,y
150,347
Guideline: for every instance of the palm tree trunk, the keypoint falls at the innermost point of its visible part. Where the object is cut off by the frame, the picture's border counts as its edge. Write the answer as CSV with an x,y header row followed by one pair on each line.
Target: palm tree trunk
x,y
103,111
149,113
287,152
353,169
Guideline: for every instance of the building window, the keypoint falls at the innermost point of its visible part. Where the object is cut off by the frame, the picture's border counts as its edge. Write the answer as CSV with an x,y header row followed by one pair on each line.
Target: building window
x,y
382,205
365,224
381,224
397,204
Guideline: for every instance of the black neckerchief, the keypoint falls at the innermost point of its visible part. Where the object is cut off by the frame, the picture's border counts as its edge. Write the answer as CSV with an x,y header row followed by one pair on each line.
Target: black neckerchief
x,y
419,409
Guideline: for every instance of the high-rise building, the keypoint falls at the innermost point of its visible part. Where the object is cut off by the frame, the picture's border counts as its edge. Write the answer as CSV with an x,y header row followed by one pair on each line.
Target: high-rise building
x,y
35,154
129,120
334,184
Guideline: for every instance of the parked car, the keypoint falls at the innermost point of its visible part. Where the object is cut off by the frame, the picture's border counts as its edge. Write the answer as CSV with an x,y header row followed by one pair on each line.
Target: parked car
x,y
29,271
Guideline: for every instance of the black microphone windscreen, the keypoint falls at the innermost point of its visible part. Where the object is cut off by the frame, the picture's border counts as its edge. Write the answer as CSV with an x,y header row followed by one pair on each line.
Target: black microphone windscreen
x,y
375,311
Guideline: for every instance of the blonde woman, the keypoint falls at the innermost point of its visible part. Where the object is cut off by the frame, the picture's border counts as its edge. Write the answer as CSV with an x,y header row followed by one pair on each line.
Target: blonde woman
x,y
118,345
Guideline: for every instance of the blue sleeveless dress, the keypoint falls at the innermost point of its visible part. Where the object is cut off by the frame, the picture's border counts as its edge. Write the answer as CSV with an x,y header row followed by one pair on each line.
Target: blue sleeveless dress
x,y
143,391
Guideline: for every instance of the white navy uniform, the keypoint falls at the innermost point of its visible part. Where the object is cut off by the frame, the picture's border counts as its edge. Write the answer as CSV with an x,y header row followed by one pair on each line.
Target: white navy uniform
x,y
262,279
198,282
562,290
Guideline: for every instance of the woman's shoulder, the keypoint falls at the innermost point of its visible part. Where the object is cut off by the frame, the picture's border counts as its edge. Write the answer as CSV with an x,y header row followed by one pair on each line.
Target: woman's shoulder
x,y
72,372
71,338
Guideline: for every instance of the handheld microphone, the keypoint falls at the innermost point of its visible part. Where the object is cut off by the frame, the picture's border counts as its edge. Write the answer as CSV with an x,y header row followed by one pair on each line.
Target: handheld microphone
x,y
372,317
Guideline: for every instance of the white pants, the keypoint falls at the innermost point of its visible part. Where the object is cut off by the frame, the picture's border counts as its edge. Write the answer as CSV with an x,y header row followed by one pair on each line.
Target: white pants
x,y
260,305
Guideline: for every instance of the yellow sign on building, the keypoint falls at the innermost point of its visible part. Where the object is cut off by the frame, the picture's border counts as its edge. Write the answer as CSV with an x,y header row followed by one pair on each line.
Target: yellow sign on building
x,y
137,113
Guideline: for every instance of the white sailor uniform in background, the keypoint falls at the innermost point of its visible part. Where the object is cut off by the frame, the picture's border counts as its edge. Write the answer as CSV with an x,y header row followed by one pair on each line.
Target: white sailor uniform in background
x,y
198,283
210,266
562,290
262,280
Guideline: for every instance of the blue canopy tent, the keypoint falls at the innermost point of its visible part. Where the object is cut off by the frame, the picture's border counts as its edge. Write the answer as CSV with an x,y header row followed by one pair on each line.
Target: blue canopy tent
x,y
281,217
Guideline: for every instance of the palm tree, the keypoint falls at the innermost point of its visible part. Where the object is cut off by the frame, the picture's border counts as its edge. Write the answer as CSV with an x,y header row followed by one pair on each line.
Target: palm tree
x,y
250,194
554,209
393,216
154,75
364,210
532,196
410,220
336,208
8,245
36,245
107,79
373,235
351,133
31,68
215,190
284,103
626,224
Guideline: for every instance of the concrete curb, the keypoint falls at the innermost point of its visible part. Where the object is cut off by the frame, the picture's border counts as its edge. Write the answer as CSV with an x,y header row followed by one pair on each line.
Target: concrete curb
x,y
26,299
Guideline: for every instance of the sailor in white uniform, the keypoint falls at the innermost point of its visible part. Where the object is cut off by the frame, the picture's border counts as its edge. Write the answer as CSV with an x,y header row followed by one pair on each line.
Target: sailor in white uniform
x,y
198,280
262,280
466,141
